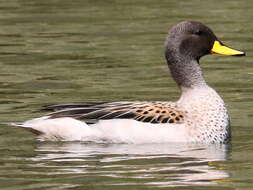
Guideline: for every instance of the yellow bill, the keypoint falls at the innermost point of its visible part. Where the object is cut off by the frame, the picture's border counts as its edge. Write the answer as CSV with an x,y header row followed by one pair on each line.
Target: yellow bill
x,y
218,48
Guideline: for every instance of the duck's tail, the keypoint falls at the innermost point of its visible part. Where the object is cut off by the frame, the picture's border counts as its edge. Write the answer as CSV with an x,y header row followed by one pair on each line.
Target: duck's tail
x,y
56,129
23,125
14,124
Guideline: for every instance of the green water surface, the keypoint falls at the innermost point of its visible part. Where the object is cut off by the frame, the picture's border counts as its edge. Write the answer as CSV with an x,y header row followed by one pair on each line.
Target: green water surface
x,y
54,51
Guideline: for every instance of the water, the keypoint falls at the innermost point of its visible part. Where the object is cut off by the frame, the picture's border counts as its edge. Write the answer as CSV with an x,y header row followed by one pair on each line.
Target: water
x,y
63,51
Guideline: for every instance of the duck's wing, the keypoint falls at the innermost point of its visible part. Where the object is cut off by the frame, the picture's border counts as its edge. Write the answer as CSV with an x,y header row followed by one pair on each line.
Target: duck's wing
x,y
71,105
152,112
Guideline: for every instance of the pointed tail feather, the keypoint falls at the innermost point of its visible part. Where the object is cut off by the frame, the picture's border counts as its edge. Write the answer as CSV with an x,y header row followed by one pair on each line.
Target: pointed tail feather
x,y
15,124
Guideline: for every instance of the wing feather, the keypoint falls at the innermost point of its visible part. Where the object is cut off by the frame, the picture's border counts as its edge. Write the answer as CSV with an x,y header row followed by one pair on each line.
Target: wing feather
x,y
152,112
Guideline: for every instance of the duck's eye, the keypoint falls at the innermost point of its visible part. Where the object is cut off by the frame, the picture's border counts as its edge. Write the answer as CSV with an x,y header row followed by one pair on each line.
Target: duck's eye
x,y
198,32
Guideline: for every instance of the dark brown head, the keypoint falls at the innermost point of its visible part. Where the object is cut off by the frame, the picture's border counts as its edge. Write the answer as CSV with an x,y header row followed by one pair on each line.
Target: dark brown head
x,y
186,43
192,40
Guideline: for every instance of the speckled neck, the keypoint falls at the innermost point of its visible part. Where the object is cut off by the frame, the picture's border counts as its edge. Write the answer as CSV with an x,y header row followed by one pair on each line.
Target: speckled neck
x,y
185,71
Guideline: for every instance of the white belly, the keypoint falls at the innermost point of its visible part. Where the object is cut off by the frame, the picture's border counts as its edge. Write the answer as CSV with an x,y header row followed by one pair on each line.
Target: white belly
x,y
114,131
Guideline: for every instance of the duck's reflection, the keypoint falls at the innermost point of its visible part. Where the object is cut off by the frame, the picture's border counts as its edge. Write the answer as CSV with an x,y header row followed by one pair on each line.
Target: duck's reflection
x,y
151,164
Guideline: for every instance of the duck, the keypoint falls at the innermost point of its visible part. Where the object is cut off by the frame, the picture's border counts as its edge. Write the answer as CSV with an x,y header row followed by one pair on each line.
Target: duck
x,y
198,116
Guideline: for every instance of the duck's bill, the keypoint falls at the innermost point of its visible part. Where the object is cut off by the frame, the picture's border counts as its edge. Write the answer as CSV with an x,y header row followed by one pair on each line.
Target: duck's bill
x,y
221,49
